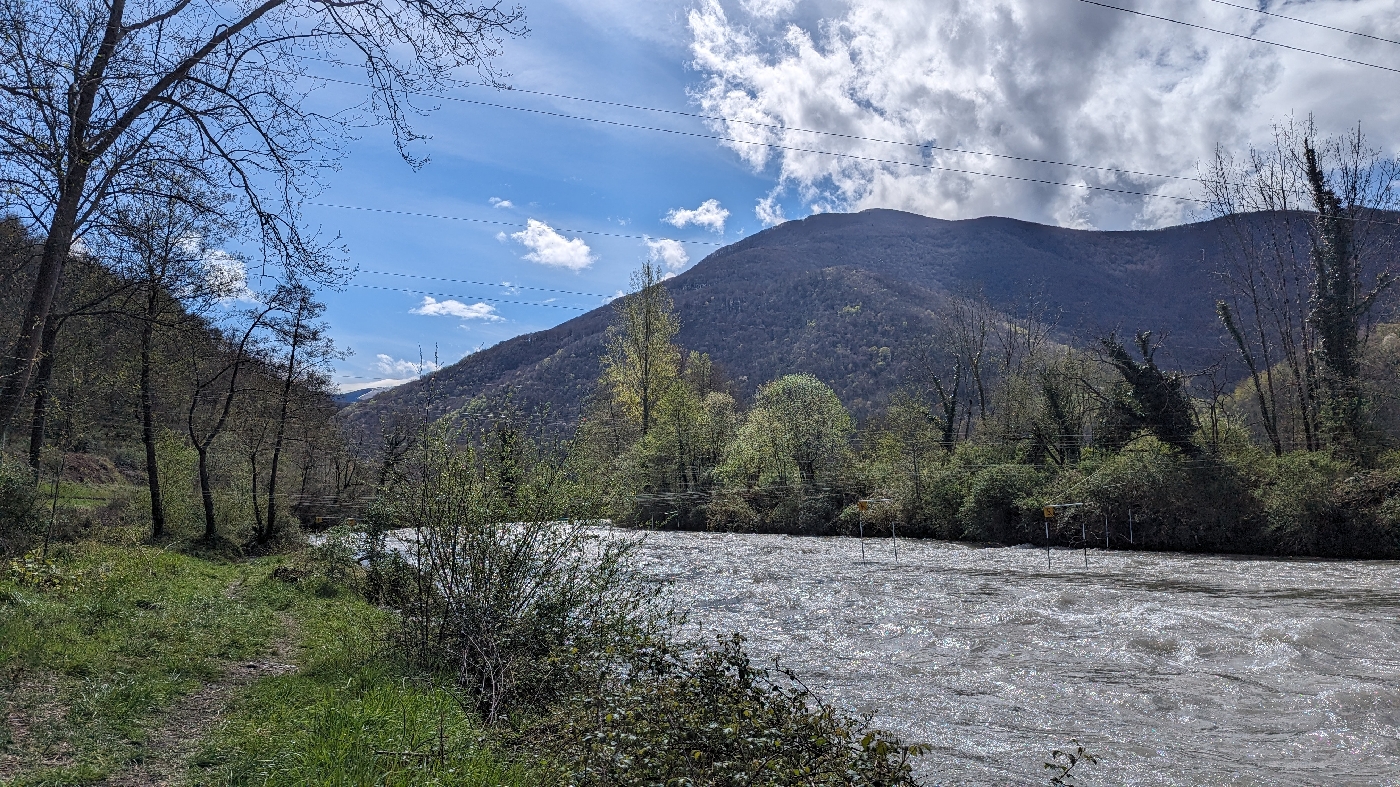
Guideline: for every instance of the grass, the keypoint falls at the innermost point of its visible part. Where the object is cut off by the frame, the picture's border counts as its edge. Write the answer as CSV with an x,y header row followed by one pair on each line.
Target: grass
x,y
91,670
354,714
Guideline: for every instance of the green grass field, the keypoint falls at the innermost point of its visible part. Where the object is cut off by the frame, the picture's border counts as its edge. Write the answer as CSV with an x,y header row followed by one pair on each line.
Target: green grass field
x,y
119,664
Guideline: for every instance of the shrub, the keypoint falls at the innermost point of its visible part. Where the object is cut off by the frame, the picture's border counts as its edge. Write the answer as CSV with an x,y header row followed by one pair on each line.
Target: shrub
x,y
506,589
710,717
996,498
1296,499
20,521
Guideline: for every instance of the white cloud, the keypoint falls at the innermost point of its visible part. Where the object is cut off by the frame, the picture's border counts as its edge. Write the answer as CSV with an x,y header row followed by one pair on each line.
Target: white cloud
x,y
360,385
709,215
667,252
451,308
226,276
769,211
769,8
389,365
497,202
548,247
1059,81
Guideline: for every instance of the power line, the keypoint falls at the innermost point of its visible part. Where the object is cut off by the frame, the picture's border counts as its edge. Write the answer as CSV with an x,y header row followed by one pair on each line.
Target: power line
x,y
503,223
474,297
1241,36
781,127
1306,22
775,146
486,283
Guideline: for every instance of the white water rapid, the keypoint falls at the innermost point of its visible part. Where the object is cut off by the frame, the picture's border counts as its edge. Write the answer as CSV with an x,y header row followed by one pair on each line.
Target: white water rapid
x,y
1174,669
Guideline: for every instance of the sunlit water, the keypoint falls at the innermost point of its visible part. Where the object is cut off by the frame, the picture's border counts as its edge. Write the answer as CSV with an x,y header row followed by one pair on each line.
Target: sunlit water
x,y
1174,669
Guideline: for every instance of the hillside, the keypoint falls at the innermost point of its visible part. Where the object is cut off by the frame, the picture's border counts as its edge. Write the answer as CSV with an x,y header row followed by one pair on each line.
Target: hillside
x,y
843,297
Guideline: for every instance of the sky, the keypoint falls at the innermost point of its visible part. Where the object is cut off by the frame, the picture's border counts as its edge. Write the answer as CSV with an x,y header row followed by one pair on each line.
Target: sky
x,y
1067,112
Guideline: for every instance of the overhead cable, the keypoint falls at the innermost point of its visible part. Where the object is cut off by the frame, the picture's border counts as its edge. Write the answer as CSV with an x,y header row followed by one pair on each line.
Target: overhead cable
x,y
775,146
505,223
1305,22
486,283
781,127
1241,36
475,297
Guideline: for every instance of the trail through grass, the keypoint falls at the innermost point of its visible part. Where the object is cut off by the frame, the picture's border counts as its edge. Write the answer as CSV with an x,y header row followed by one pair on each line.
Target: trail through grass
x,y
149,666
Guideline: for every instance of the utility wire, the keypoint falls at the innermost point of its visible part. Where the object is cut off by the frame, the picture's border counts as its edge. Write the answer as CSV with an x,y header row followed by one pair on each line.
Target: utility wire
x,y
1306,22
781,127
475,297
775,146
1241,36
501,223
486,283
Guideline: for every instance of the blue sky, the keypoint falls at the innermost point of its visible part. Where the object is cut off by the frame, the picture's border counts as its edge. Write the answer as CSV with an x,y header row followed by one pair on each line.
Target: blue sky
x,y
1052,79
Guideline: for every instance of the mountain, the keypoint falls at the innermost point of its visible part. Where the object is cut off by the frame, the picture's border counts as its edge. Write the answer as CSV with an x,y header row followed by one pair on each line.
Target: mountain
x,y
844,296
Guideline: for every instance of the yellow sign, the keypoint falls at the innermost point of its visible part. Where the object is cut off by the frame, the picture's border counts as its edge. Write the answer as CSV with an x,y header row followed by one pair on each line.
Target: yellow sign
x,y
1049,512
861,505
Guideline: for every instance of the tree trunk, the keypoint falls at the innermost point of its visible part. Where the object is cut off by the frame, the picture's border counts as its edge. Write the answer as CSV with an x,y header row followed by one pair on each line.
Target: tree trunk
x,y
148,425
280,436
20,366
206,493
41,396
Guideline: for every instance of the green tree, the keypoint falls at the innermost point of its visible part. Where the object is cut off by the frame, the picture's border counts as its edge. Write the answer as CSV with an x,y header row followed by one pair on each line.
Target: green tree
x,y
642,361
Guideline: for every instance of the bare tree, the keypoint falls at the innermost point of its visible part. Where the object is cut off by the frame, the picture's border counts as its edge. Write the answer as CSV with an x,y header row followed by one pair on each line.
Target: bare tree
x,y
165,245
1271,234
306,352
215,384
101,100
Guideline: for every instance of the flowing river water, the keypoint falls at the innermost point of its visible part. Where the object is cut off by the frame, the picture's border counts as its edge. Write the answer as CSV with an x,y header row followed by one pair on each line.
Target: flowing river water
x,y
1174,669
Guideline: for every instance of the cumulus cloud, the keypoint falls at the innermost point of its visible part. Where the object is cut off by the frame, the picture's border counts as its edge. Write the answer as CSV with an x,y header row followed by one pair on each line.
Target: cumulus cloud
x,y
548,247
769,211
226,276
768,8
1066,82
669,253
389,365
709,215
497,202
450,308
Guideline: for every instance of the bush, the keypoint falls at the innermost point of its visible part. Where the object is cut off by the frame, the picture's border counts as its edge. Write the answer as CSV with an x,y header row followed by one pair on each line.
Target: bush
x,y
1297,500
996,499
710,717
1176,502
20,520
506,590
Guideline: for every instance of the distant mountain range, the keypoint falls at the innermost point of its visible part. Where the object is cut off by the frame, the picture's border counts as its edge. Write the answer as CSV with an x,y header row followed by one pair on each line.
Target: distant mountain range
x,y
843,297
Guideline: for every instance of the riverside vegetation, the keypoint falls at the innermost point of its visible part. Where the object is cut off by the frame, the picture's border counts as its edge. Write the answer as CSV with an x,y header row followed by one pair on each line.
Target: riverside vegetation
x,y
1001,417
162,614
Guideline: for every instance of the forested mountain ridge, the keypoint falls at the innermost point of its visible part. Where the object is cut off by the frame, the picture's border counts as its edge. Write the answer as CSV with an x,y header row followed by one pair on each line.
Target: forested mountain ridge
x,y
846,297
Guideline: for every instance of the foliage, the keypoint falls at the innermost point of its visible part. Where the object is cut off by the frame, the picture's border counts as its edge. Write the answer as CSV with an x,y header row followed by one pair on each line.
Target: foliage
x,y
709,716
509,591
996,500
19,507
1063,762
33,570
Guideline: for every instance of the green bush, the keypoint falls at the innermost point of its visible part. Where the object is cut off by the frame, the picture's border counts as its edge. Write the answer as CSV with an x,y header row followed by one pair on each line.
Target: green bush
x,y
996,499
20,520
1297,502
507,590
710,717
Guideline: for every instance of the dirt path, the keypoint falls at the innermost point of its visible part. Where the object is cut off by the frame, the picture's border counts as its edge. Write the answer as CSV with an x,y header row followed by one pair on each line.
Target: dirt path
x,y
170,746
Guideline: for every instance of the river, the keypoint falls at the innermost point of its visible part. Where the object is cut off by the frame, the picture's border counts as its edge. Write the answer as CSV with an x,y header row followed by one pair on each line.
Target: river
x,y
1173,669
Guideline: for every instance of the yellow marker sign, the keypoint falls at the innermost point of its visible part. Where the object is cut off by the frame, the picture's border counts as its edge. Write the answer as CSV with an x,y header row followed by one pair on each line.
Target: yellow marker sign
x,y
1049,512
861,505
